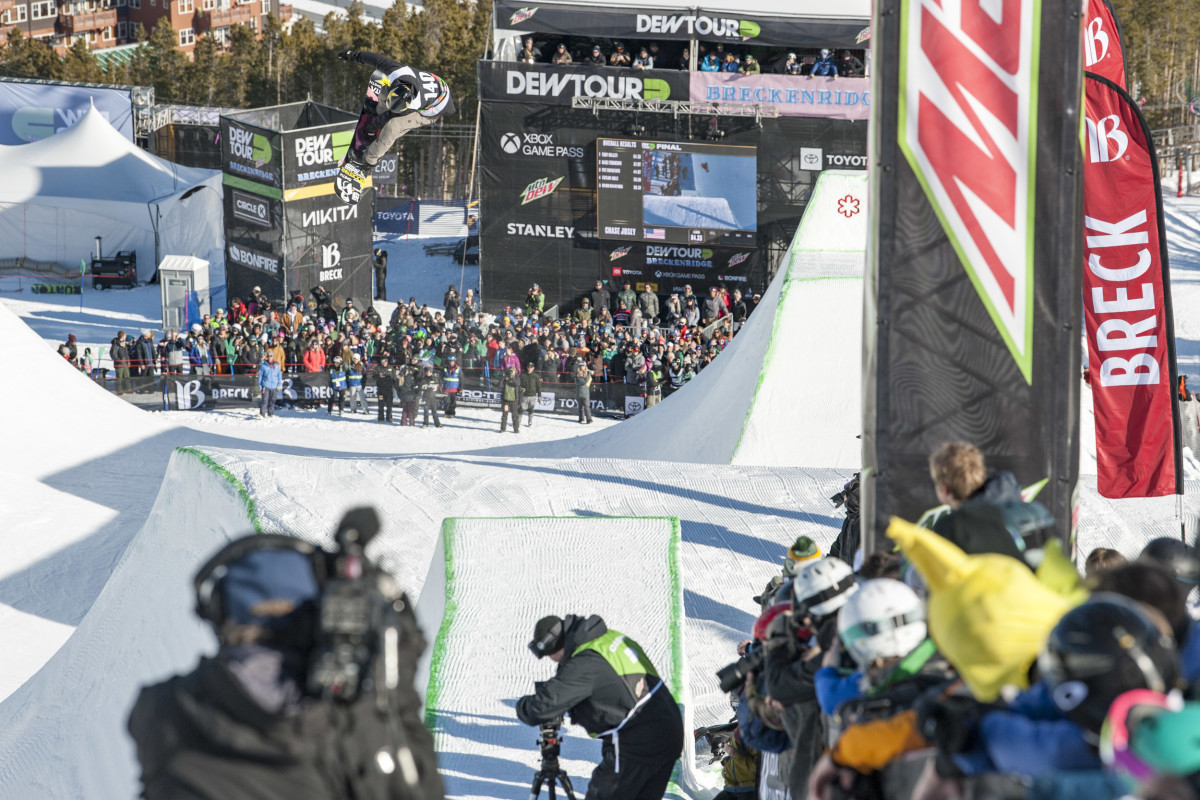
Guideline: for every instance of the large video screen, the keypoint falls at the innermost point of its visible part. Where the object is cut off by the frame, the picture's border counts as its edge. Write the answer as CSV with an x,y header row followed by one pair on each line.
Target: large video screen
x,y
676,192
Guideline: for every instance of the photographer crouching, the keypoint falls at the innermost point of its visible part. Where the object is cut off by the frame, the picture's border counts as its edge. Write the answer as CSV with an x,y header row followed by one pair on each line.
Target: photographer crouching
x,y
311,691
610,688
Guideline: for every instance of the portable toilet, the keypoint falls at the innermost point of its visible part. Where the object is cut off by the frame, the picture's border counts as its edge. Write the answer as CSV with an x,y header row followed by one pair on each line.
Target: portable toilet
x,y
185,300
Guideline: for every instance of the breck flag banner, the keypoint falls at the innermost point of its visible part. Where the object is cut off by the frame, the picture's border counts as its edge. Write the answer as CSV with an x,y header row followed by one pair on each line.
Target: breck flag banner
x,y
972,310
1127,302
1103,45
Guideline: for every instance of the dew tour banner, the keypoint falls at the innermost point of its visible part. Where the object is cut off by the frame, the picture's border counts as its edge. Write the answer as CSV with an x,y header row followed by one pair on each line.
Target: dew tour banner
x,y
477,388
677,24
972,320
1127,302
286,231
1103,44
549,83
668,268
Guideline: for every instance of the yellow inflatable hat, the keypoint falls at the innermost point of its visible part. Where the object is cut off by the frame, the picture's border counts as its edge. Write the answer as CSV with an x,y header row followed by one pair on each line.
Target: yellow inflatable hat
x,y
987,613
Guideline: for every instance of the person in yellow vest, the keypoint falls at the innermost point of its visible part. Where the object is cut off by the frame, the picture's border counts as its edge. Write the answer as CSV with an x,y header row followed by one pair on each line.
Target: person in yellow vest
x,y
610,688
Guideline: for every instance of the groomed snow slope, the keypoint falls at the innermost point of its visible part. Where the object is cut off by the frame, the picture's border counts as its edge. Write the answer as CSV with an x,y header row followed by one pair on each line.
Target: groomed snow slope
x,y
534,568
787,390
63,731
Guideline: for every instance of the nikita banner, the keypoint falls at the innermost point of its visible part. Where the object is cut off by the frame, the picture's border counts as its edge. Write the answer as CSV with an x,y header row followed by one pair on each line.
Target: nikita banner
x,y
1103,44
1127,302
791,95
971,323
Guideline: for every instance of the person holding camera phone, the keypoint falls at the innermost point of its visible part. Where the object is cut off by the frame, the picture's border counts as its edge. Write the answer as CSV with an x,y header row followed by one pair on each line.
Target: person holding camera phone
x,y
285,709
610,688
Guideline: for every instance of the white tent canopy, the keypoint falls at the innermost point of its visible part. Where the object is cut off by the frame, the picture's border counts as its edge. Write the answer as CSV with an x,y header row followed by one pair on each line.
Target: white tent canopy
x,y
59,193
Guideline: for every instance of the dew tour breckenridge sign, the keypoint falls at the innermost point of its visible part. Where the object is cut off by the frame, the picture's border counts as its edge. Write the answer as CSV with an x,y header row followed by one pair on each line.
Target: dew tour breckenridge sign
x,y
972,320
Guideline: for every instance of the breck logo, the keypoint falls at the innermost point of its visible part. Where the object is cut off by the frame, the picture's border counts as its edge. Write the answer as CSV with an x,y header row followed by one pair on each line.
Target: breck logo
x,y
1095,42
698,25
539,189
522,15
1103,135
620,252
968,138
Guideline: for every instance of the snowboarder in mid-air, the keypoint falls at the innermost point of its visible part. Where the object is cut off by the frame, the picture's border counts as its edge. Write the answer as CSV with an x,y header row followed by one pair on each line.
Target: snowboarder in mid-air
x,y
398,100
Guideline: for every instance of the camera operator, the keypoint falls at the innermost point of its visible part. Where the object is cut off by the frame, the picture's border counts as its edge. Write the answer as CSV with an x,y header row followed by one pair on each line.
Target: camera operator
x,y
794,646
310,693
611,689
846,543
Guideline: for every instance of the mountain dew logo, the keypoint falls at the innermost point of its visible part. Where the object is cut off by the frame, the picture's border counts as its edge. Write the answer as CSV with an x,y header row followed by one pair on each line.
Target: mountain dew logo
x,y
739,258
620,252
655,89
522,15
539,189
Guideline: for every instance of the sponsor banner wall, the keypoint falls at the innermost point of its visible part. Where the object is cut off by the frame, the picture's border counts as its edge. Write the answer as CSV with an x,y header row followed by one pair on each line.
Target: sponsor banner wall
x,y
676,24
547,83
972,318
538,193
33,111
791,95
668,268
1103,44
477,388
329,243
312,155
251,154
1127,302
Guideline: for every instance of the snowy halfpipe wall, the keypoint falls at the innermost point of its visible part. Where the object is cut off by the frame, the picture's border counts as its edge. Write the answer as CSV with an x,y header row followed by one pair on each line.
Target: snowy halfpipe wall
x,y
787,391
62,732
500,575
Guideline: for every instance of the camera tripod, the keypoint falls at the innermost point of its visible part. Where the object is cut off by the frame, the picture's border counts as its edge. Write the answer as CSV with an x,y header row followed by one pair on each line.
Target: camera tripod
x,y
550,773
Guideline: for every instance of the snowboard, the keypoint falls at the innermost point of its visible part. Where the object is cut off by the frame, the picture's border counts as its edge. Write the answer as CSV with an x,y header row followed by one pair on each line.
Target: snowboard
x,y
350,181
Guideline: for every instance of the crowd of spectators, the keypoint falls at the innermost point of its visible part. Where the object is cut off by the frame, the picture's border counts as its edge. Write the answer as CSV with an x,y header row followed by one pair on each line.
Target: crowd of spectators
x,y
969,658
652,345
710,58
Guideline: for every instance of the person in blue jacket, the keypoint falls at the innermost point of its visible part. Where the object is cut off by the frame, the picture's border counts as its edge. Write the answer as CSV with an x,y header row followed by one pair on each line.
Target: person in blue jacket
x,y
824,67
710,64
270,381
337,385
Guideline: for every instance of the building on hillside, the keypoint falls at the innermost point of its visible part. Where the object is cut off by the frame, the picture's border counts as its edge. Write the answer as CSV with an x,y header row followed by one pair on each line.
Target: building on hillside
x,y
105,24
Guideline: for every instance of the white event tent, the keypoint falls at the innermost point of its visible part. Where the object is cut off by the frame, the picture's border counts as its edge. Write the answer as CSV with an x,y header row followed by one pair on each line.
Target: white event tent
x,y
58,194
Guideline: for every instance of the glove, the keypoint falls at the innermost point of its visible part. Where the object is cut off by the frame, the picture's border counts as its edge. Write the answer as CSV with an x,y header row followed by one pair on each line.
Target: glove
x,y
949,722
347,55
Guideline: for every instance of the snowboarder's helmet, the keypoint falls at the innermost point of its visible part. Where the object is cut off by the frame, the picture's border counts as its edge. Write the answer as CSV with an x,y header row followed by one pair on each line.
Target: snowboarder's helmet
x,y
1175,556
883,619
1101,649
400,98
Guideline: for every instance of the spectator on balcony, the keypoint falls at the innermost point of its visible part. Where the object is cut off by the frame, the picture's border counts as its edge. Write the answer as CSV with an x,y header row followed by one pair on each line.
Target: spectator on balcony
x,y
730,64
529,54
710,63
824,67
619,57
657,57
791,66
750,66
643,60
561,56
596,58
685,60
850,66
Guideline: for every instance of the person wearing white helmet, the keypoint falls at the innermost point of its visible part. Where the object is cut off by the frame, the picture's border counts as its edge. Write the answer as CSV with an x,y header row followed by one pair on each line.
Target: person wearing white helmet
x,y
819,588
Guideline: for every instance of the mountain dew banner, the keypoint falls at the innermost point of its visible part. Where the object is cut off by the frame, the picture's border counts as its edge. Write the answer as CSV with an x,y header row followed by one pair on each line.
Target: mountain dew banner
x,y
972,311
679,24
1127,302
1103,45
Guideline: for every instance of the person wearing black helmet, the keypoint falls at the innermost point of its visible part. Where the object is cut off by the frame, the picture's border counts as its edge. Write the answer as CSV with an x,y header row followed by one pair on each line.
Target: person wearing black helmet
x,y
606,682
1180,559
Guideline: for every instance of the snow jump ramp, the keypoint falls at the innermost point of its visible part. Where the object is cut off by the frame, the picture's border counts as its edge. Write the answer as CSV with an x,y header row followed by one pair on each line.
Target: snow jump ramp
x,y
490,580
788,389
